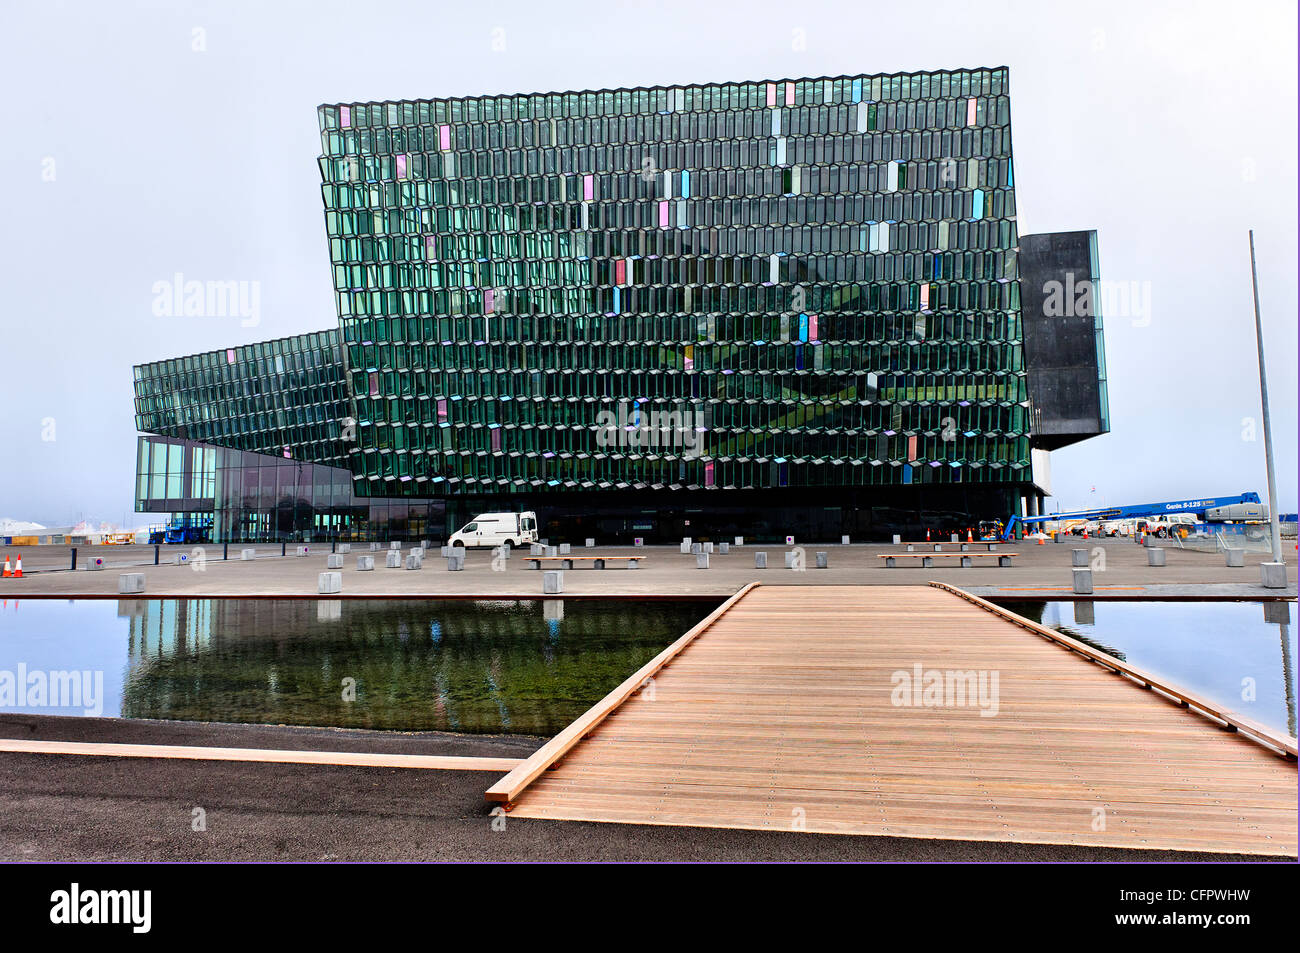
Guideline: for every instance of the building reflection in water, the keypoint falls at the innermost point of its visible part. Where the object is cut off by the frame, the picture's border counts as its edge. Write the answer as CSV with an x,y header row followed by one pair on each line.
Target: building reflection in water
x,y
485,666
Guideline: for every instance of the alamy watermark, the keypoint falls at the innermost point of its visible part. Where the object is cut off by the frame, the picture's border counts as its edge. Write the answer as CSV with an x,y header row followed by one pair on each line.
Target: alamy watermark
x,y
180,298
936,688
638,427
24,688
1089,297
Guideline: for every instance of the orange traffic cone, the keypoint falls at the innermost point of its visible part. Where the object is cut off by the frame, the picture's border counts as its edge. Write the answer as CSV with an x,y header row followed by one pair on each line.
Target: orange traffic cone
x,y
1042,540
1085,532
8,571
18,570
927,535
969,537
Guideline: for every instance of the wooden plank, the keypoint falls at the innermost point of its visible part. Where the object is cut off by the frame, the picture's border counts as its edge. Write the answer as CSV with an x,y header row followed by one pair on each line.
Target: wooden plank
x,y
781,711
512,785
365,759
1283,744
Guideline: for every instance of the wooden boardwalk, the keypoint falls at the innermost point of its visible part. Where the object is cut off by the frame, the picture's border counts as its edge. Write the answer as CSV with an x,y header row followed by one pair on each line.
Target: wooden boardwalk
x,y
783,711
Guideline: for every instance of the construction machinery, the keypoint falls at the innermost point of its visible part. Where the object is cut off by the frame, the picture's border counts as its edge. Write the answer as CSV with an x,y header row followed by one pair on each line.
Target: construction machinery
x,y
1155,518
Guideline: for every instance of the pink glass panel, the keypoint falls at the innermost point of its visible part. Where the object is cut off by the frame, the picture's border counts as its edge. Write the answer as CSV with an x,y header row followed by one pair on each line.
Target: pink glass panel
x,y
588,187
771,94
444,137
663,214
789,94
970,111
345,116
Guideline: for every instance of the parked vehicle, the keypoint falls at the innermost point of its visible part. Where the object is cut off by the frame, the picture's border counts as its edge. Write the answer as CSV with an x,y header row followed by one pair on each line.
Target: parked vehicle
x,y
494,529
1162,526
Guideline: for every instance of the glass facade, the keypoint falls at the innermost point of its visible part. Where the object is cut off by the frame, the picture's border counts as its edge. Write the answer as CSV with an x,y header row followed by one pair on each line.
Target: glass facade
x,y
286,397
256,497
745,305
820,273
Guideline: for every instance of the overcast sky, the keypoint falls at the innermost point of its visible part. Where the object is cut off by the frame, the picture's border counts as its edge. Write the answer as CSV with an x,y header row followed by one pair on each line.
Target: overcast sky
x,y
144,140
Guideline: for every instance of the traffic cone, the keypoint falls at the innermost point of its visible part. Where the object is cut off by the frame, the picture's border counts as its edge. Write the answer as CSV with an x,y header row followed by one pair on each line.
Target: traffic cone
x,y
1042,540
18,570
969,537
8,571
1085,532
927,535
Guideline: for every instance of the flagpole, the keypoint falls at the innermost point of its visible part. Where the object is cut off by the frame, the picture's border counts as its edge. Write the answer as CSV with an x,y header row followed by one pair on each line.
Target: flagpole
x,y
1275,530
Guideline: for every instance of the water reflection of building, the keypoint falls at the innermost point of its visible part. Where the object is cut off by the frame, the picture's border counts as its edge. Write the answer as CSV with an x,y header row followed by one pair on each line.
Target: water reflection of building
x,y
416,664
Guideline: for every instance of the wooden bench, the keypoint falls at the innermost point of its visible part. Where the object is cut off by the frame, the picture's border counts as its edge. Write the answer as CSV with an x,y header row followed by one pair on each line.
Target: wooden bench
x,y
990,545
927,559
575,562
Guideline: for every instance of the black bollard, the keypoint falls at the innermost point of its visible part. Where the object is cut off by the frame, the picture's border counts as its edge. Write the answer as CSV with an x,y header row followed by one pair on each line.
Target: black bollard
x,y
225,550
155,553
284,549
74,558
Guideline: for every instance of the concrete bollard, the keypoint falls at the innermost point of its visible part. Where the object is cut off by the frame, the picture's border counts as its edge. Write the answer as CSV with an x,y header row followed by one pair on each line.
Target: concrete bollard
x,y
456,561
1058,537
701,560
724,548
708,548
394,544
301,551
374,547
365,563
565,549
334,561
844,541
789,559
414,560
130,582
967,562
953,538
247,554
760,560
393,559
180,559
1083,582
552,582
1155,556
638,541
697,548
686,545
1079,557
552,550
534,549
95,563
898,539
330,583
821,561
1272,575
1235,558
740,541
344,548
591,543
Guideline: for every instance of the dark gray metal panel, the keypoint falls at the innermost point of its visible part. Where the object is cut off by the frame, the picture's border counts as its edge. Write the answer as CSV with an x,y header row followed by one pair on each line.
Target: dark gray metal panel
x,y
1060,309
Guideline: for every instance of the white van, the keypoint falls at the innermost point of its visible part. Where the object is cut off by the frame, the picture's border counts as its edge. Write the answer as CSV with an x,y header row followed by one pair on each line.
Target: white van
x,y
493,529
